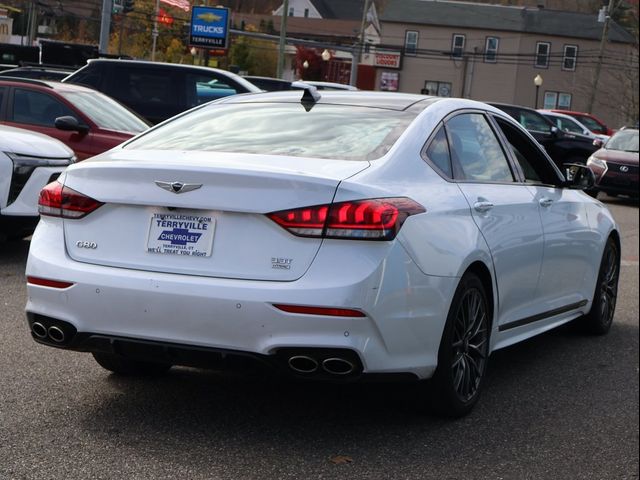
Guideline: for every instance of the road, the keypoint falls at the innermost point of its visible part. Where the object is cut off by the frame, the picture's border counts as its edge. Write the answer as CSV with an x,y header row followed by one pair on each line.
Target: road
x,y
563,405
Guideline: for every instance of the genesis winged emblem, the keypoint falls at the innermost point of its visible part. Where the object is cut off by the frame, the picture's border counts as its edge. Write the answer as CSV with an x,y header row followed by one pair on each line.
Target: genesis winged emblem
x,y
178,187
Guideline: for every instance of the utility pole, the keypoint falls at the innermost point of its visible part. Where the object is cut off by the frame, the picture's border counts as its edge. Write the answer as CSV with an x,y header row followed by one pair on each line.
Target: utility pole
x,y
154,32
32,23
283,37
357,51
603,43
105,25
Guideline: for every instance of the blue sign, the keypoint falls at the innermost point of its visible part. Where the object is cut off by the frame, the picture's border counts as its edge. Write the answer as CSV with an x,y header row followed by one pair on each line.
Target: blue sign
x,y
209,27
179,236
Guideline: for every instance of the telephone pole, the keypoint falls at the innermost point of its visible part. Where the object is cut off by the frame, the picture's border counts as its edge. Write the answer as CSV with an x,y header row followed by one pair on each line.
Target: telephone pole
x,y
603,43
105,25
357,51
283,38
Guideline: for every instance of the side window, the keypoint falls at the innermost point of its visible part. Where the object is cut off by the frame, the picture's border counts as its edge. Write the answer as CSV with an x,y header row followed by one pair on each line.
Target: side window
x,y
37,108
438,152
532,121
533,162
152,86
475,150
89,76
202,88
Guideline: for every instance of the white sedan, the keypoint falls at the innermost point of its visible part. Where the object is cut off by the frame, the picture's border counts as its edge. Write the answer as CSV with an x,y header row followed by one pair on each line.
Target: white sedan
x,y
347,235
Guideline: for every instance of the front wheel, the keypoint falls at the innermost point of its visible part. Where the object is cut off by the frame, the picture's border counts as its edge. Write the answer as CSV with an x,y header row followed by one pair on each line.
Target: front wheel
x,y
599,319
464,350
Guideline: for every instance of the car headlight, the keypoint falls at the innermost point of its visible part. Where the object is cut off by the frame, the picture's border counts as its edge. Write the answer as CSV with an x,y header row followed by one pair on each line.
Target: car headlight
x,y
27,163
597,162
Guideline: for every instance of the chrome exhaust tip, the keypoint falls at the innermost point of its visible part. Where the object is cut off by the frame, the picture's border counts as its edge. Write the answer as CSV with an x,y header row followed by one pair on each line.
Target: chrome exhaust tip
x,y
338,366
56,334
303,364
39,330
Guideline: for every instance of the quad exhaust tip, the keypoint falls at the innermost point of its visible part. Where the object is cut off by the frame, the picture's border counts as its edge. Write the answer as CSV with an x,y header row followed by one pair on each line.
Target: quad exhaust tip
x,y
39,330
338,366
56,334
303,364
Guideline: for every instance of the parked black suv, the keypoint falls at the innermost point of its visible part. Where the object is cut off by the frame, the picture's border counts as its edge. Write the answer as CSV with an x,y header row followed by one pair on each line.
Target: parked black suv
x,y
158,91
562,147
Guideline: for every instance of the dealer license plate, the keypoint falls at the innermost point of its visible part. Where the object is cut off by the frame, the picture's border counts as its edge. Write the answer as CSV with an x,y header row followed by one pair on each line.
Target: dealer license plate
x,y
181,234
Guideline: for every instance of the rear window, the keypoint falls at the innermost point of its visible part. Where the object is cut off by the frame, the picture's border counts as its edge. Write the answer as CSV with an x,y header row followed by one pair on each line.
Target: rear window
x,y
341,132
624,140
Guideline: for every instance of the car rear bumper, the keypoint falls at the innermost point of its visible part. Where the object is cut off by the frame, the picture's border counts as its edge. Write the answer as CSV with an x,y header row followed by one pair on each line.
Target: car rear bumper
x,y
404,309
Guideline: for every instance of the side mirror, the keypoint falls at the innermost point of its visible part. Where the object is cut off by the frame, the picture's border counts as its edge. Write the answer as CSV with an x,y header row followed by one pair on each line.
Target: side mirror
x,y
554,131
579,176
70,124
597,142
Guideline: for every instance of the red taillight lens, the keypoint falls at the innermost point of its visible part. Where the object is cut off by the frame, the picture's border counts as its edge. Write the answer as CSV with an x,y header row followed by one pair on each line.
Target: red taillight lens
x,y
46,282
325,311
59,201
372,219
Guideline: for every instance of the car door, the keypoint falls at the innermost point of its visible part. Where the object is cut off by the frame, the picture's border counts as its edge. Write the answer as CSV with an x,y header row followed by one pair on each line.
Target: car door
x,y
570,245
36,110
504,210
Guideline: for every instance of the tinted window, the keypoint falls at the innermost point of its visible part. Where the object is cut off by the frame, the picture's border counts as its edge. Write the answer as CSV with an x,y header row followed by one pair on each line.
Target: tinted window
x,y
37,108
325,131
204,88
476,150
89,76
530,120
154,86
534,164
438,152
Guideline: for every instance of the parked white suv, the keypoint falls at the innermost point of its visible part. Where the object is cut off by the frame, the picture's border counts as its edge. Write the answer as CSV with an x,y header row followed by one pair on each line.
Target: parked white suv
x,y
28,162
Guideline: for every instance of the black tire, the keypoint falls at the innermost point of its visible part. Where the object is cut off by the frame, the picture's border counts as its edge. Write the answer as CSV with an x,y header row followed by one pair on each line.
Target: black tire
x,y
464,350
599,319
125,366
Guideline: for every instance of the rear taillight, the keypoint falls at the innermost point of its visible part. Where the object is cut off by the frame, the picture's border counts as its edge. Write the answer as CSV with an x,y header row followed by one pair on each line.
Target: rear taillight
x,y
57,200
371,219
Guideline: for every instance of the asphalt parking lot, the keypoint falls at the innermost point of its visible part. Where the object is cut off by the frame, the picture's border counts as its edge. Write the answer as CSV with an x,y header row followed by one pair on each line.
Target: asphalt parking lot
x,y
562,405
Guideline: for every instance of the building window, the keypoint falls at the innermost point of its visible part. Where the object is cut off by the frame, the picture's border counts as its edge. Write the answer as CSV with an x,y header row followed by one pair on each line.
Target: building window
x,y
306,13
457,46
439,89
542,54
411,43
491,49
557,100
291,11
570,57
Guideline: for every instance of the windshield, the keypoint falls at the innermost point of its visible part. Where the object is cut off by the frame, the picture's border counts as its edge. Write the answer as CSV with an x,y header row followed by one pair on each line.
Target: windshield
x,y
625,140
591,124
342,132
105,112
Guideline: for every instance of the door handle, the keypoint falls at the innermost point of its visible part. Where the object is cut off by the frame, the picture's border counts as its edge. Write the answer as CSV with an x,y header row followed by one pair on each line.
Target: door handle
x,y
546,202
483,206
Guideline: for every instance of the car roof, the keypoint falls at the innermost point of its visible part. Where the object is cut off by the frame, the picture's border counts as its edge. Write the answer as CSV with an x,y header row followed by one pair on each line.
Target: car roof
x,y
53,85
361,98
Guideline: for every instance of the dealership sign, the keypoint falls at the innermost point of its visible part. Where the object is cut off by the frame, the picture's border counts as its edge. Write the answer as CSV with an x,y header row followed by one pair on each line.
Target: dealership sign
x,y
209,27
387,59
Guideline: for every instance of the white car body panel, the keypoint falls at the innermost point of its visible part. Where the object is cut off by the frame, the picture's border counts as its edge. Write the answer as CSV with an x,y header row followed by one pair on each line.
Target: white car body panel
x,y
404,286
27,144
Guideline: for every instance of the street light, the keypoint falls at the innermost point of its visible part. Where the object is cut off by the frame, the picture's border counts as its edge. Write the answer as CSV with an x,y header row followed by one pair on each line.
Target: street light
x,y
305,65
538,83
326,55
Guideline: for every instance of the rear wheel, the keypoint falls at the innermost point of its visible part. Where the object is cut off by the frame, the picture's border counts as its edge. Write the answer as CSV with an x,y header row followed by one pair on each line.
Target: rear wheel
x,y
125,366
599,319
464,350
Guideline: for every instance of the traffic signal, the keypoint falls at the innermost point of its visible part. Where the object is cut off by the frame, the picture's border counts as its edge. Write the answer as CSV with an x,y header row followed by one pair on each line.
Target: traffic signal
x,y
127,6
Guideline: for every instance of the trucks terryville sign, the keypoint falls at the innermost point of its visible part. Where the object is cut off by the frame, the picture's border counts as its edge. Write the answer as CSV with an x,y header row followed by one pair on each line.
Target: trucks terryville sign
x,y
209,27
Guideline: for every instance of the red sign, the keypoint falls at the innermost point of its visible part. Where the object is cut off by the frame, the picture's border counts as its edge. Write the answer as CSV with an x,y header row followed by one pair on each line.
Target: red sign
x,y
387,60
164,17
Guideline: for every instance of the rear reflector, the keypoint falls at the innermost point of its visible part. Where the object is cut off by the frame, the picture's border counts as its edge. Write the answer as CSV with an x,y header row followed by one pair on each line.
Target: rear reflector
x,y
326,311
45,282
59,201
371,219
